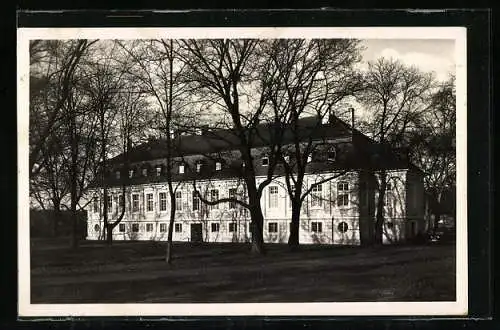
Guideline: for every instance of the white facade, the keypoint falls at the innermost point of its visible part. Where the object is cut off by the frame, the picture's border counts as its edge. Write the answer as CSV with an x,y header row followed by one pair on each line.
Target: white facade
x,y
339,211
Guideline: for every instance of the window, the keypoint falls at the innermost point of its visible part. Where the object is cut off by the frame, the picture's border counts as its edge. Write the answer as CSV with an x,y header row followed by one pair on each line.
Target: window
x,y
149,227
135,227
181,169
198,167
121,227
96,205
135,202
232,227
390,225
158,171
273,197
178,201
316,227
110,204
117,173
316,196
287,158
273,227
342,194
342,227
331,154
388,186
309,158
214,195
265,161
120,202
215,227
144,172
149,202
218,166
97,228
130,173
163,201
163,227
232,194
196,202
178,227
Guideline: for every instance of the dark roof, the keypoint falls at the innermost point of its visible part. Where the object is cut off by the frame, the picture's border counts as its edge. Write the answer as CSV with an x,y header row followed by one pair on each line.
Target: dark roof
x,y
367,153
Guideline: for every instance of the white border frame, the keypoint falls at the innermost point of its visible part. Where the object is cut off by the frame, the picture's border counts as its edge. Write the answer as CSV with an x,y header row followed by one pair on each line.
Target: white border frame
x,y
458,307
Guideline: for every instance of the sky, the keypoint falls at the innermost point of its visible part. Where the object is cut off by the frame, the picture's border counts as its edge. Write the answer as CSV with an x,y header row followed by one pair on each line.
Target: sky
x,y
427,54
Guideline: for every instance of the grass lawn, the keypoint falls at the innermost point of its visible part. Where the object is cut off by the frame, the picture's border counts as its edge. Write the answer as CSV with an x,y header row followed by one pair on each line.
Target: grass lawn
x,y
135,272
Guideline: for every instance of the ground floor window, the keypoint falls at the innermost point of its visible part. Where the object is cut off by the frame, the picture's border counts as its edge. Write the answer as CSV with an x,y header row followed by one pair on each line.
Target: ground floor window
x,y
121,227
342,227
149,227
317,227
135,227
215,227
97,228
273,227
178,227
232,227
163,227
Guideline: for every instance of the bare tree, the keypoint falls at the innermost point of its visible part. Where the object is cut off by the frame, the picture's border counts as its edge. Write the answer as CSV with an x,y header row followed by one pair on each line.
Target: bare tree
x,y
227,74
311,77
394,96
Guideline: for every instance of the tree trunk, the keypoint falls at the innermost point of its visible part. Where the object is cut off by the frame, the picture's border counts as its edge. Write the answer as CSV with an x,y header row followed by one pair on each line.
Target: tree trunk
x,y
437,213
74,164
379,218
168,257
109,234
57,218
257,230
293,240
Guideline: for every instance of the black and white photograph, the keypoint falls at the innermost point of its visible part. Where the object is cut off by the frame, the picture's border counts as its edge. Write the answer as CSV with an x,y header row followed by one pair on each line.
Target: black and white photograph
x,y
249,171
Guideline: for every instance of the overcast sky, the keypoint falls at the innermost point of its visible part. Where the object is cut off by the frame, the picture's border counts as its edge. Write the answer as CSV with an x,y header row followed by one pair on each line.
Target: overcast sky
x,y
429,54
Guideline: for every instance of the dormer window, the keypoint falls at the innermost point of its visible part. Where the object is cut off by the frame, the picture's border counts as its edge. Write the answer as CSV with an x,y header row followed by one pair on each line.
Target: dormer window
x,y
265,161
181,169
117,173
130,173
158,171
144,172
331,154
198,167
218,166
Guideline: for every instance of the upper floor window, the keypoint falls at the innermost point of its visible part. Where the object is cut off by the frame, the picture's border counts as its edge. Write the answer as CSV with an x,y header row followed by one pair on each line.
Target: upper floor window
x,y
149,202
96,205
232,194
316,196
181,169
117,173
265,161
135,202
158,171
196,202
273,196
342,193
110,204
214,195
120,202
218,166
144,172
178,201
163,201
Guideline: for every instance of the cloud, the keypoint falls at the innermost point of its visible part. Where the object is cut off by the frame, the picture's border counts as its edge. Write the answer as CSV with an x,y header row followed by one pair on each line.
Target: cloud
x,y
441,66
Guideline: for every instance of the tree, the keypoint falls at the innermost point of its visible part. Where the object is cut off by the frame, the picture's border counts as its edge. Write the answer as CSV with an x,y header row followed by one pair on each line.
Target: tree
x,y
433,146
225,73
311,77
160,71
394,96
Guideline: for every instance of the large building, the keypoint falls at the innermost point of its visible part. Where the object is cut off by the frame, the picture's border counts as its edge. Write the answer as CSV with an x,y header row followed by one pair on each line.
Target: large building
x,y
338,211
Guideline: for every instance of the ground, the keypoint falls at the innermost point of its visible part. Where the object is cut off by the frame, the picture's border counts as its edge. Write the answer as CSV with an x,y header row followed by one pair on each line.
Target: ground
x,y
135,272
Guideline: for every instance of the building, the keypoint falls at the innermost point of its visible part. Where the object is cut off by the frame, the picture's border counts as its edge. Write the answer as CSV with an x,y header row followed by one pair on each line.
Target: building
x,y
339,211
